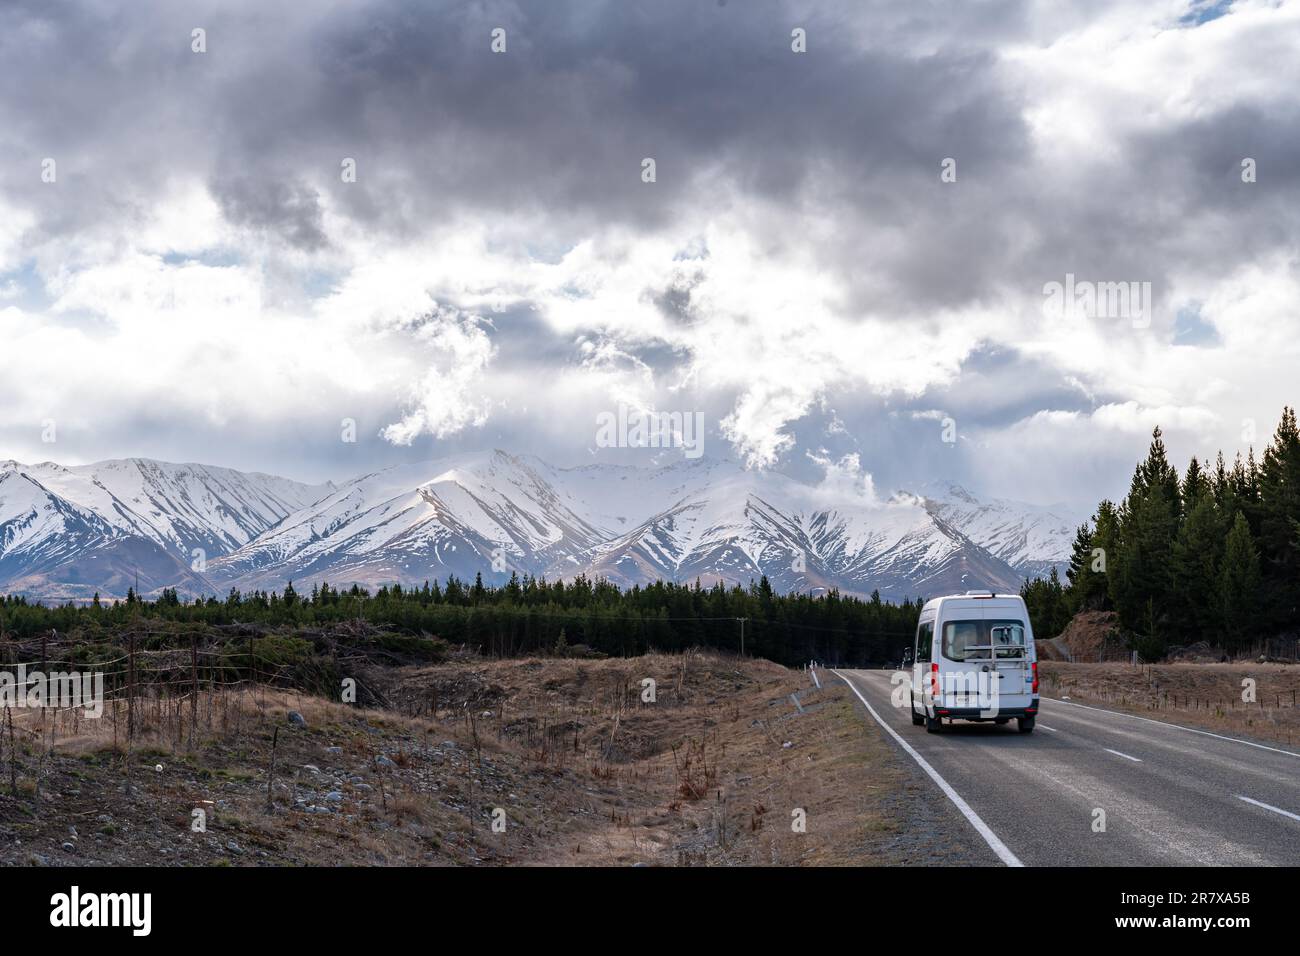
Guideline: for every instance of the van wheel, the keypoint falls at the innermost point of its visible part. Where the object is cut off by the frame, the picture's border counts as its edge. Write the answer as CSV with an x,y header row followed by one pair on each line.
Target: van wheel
x,y
1026,724
933,725
917,719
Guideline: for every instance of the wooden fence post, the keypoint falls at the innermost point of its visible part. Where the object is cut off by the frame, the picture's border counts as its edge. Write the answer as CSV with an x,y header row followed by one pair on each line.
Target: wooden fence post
x,y
194,686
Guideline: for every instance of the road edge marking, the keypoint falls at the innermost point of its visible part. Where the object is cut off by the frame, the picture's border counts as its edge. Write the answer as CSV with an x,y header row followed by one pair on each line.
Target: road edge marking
x,y
996,845
1165,723
1269,806
1125,756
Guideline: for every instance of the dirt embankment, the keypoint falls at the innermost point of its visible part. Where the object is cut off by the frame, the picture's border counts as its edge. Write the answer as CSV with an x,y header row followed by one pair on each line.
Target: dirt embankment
x,y
543,761
1243,699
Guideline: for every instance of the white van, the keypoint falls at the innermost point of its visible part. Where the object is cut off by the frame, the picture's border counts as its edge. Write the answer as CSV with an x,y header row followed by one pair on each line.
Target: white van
x,y
973,659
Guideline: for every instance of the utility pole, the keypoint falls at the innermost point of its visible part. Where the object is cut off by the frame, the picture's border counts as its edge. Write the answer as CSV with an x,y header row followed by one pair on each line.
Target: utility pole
x,y
742,621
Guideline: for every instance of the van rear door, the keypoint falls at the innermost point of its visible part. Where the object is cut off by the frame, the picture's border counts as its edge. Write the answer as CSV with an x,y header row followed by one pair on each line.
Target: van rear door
x,y
1011,649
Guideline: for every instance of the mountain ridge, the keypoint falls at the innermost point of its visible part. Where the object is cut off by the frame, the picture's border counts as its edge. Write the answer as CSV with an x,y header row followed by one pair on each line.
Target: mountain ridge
x,y
66,532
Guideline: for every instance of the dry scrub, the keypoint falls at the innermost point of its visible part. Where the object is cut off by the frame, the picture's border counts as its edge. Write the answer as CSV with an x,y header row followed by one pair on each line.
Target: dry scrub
x,y
566,753
1201,695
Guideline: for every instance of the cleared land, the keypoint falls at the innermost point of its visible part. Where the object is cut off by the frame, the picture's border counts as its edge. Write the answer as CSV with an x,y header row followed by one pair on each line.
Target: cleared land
x,y
566,752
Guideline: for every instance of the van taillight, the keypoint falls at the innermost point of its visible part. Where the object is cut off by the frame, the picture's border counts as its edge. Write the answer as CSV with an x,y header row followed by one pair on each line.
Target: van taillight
x,y
1034,665
934,681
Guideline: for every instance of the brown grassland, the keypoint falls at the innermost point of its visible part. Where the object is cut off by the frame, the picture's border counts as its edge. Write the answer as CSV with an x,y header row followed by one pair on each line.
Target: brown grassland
x,y
564,752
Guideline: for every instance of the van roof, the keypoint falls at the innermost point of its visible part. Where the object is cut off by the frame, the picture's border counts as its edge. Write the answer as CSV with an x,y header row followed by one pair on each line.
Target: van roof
x,y
975,599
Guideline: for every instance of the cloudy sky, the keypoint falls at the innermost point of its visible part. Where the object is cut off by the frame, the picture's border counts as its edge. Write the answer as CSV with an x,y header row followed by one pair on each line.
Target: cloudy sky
x,y
199,281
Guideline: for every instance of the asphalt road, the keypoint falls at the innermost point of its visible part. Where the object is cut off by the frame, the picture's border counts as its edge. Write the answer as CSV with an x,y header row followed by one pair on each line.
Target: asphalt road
x,y
1171,796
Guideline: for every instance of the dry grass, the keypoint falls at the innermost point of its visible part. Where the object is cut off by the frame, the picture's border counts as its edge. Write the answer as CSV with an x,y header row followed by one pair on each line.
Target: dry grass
x,y
1202,695
583,770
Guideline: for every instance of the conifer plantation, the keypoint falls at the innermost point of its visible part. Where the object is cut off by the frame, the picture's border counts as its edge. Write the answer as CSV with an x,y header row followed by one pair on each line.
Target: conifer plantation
x,y
1213,556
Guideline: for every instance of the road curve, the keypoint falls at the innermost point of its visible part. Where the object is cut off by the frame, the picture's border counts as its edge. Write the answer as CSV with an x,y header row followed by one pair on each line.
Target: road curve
x,y
1171,796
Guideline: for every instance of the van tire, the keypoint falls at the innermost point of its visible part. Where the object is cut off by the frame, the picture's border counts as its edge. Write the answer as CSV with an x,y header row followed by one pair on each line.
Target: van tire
x,y
1026,724
917,719
933,725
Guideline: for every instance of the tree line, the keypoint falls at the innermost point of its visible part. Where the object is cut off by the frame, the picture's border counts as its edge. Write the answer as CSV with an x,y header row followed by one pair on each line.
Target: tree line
x,y
529,615
1211,555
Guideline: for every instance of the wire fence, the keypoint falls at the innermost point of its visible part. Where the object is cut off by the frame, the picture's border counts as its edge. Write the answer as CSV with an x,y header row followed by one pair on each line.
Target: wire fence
x,y
160,691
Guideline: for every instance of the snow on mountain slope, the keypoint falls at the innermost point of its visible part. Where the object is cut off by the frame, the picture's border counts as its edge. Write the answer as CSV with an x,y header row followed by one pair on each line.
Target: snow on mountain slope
x,y
744,525
411,522
1030,538
496,514
56,550
68,531
38,528
616,498
180,506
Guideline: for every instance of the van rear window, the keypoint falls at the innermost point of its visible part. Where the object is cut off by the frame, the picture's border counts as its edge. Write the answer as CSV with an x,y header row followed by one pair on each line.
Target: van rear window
x,y
981,640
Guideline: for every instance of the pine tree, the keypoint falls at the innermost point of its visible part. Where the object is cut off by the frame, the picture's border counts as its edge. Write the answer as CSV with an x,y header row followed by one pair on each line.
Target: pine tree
x,y
1195,578
1080,570
1221,487
1148,522
1239,582
1279,511
1196,485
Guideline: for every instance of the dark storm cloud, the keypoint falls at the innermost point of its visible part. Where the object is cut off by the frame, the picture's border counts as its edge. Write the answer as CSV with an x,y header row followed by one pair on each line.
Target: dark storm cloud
x,y
835,152
438,124
290,210
558,125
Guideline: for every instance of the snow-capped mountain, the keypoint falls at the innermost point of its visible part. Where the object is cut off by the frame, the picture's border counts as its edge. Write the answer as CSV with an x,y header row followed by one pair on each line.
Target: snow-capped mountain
x,y
742,525
1031,539
69,531
66,530
414,522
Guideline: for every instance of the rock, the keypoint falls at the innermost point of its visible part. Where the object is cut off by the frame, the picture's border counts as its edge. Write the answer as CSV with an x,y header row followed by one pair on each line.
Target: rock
x,y
234,847
334,750
311,768
384,761
787,745
297,719
70,847
334,796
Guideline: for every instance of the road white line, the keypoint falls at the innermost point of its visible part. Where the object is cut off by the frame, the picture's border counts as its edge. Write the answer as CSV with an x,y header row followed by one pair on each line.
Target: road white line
x,y
1269,806
991,838
1165,723
1118,754
1050,730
